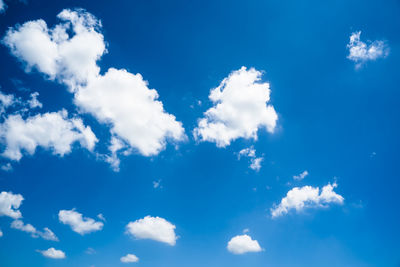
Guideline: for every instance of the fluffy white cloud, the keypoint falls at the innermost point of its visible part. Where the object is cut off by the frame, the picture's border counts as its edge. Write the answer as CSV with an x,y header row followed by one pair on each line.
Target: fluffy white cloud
x,y
53,253
6,101
70,59
50,130
34,102
241,244
68,53
360,52
81,225
129,258
250,152
300,198
301,176
9,204
154,228
46,234
137,118
240,109
1,233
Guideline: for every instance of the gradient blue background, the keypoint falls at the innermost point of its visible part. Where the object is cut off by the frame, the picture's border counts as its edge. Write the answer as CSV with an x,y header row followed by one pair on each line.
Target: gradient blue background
x,y
331,119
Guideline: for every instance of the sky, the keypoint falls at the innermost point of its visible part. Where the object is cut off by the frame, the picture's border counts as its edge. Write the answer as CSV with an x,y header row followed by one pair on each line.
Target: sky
x,y
199,133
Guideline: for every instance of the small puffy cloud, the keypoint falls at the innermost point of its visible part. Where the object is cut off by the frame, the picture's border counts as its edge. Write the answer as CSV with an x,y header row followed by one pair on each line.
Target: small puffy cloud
x,y
250,152
129,258
81,225
300,198
46,234
7,167
301,176
6,101
361,52
101,217
241,244
1,233
51,130
154,228
240,109
157,184
9,204
33,102
53,253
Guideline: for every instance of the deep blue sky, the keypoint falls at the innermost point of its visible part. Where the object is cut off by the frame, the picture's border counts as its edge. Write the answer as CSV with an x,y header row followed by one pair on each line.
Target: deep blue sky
x,y
332,117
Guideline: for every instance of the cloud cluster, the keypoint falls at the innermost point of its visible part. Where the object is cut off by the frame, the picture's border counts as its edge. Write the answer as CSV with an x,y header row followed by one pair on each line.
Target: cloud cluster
x,y
78,223
53,130
129,258
240,109
9,204
300,198
68,53
241,244
250,152
301,176
46,234
361,52
53,253
154,228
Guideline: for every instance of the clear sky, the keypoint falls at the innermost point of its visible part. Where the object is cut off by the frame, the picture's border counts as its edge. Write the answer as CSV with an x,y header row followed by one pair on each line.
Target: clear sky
x,y
199,133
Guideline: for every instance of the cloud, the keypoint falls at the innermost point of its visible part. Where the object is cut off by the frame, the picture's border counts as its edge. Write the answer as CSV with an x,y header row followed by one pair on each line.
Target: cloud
x,y
240,109
300,198
129,258
157,184
361,52
51,130
241,244
301,176
47,234
136,117
154,228
2,6
1,233
250,152
6,101
7,167
68,53
81,225
9,204
34,102
53,253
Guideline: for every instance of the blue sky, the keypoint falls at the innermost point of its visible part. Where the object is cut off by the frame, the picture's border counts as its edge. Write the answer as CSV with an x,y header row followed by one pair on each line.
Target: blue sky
x,y
294,163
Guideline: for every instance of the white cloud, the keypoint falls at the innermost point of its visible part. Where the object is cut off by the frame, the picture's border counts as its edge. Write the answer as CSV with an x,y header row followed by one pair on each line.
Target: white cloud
x,y
118,98
300,198
46,234
53,253
2,6
240,109
6,101
360,52
301,176
7,167
34,102
136,116
241,244
9,204
101,217
81,225
1,233
250,152
154,228
129,258
49,130
157,184
69,59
